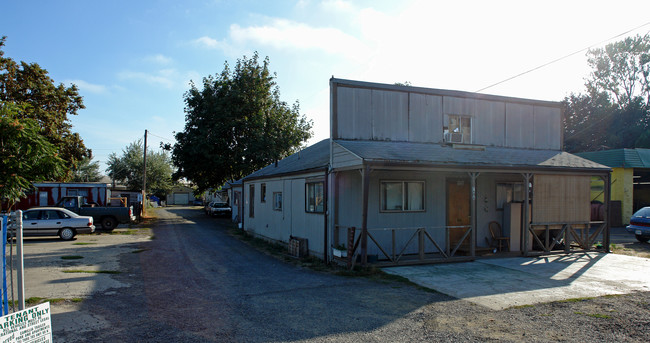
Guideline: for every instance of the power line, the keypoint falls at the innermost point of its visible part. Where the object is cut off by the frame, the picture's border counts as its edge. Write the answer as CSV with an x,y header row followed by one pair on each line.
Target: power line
x,y
561,58
167,139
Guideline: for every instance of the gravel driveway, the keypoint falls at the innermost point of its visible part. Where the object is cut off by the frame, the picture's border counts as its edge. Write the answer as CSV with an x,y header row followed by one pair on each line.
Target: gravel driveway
x,y
195,283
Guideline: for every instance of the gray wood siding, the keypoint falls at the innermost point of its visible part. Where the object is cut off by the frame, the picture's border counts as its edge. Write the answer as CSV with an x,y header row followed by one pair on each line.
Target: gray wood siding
x,y
425,118
548,128
402,115
354,108
488,125
292,220
389,116
519,126
434,218
342,158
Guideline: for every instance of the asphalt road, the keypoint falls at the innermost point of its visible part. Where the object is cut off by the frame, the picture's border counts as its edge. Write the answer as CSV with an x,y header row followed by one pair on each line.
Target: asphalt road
x,y
195,283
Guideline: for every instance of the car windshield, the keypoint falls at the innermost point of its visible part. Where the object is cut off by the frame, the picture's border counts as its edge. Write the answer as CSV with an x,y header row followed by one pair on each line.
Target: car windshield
x,y
644,212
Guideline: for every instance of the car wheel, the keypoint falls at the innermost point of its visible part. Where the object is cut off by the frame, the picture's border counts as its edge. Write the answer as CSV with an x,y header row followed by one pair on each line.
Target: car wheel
x,y
66,234
642,239
109,223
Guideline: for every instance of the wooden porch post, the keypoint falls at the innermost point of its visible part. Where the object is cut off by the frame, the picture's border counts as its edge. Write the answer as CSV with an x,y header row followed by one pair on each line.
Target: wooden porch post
x,y
473,223
608,188
526,220
364,219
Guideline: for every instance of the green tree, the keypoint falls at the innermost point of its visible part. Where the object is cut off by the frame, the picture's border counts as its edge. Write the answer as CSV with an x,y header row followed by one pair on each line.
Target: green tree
x,y
129,167
87,170
236,124
615,111
26,156
28,85
621,70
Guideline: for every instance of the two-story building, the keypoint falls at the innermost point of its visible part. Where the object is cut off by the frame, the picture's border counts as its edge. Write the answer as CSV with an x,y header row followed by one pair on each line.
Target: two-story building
x,y
412,175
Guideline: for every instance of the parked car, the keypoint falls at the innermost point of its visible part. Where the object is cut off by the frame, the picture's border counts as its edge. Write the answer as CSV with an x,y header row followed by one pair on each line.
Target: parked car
x,y
54,221
107,217
220,209
640,225
208,207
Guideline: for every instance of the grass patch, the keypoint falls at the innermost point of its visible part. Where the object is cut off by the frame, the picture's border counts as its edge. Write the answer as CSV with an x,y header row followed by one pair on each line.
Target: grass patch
x,y
124,232
71,257
92,271
599,315
139,251
83,243
575,300
33,301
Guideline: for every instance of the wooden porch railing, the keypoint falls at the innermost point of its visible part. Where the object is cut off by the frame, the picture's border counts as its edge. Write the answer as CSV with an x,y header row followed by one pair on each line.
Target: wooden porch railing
x,y
397,256
578,232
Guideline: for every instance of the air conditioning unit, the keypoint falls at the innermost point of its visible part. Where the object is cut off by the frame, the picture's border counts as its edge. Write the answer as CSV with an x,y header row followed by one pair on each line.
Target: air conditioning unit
x,y
453,137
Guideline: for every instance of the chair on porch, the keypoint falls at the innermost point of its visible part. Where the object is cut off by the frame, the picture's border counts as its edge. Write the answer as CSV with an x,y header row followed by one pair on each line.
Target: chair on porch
x,y
498,240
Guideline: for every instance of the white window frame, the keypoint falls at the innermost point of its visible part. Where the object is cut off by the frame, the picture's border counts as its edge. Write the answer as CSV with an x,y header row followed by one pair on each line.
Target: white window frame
x,y
277,205
450,137
307,197
404,190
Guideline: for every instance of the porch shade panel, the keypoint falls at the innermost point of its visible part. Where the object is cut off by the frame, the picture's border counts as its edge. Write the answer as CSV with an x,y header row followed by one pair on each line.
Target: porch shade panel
x,y
465,155
561,198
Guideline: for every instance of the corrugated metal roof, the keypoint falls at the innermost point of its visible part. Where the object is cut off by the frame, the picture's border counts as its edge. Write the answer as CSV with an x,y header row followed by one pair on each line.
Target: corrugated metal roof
x,y
424,153
313,157
620,158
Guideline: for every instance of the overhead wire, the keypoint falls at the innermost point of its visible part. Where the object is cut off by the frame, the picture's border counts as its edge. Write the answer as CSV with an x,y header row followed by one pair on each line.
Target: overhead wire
x,y
561,58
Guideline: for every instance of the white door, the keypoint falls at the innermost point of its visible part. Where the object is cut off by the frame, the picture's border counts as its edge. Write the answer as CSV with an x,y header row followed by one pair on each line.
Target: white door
x,y
181,198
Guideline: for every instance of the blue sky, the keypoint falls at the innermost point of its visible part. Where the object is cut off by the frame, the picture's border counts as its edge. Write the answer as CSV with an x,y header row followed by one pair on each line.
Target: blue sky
x,y
133,60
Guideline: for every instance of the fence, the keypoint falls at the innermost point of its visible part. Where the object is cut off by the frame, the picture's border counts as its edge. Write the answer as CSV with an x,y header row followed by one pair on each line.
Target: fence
x,y
12,227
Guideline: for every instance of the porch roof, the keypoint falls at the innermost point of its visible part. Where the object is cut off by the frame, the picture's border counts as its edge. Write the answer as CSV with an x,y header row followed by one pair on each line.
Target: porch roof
x,y
311,158
620,158
486,157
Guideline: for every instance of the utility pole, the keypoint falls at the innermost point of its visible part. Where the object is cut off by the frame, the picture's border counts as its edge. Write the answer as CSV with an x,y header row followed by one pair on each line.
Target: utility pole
x,y
144,173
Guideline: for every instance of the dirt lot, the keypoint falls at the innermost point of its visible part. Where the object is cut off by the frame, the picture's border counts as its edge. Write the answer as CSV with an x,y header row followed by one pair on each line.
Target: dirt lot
x,y
195,283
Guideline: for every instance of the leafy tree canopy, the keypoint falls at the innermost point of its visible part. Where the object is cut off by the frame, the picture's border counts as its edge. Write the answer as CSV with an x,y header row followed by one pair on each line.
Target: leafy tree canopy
x,y
235,124
26,156
28,85
615,112
128,168
87,170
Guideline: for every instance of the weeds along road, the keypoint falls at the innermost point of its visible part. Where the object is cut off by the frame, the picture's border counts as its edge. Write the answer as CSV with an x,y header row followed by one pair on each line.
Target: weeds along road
x,y
195,283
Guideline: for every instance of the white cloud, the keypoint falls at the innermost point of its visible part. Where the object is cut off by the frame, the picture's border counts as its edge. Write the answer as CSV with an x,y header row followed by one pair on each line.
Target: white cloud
x,y
337,5
163,78
286,34
159,59
88,87
207,42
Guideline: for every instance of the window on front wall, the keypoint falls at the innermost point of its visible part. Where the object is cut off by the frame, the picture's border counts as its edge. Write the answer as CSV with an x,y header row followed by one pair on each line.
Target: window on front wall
x,y
314,197
263,193
509,192
458,129
277,201
402,196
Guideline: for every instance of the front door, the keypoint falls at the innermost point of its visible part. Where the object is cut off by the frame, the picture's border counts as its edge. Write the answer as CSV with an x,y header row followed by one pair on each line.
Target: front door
x,y
458,210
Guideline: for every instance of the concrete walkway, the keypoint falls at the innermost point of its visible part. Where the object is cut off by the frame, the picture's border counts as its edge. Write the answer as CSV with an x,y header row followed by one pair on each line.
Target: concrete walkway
x,y
505,282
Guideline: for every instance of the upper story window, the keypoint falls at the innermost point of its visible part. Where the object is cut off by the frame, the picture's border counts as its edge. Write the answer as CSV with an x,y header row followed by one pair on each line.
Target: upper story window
x,y
458,129
402,196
